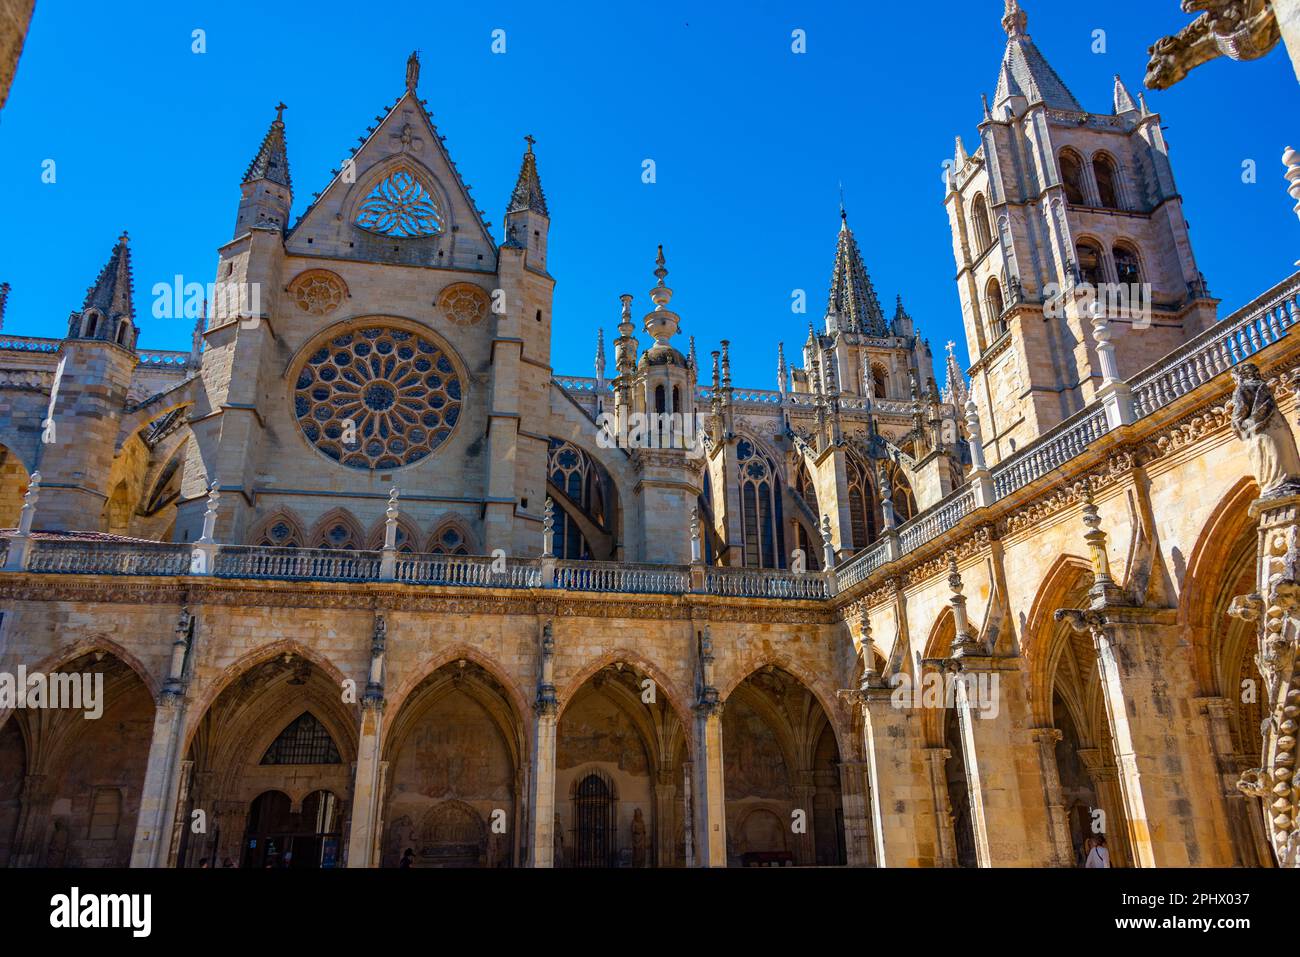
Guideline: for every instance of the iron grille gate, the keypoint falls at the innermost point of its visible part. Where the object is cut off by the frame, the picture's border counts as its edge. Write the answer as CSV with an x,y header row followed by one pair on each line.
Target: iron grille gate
x,y
595,834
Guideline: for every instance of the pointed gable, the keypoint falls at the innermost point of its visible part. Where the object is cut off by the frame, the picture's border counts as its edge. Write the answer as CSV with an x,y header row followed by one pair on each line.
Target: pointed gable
x,y
398,199
852,296
1025,72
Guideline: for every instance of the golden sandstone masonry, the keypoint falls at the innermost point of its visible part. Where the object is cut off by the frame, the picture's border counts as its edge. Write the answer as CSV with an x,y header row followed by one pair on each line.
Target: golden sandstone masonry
x,y
366,583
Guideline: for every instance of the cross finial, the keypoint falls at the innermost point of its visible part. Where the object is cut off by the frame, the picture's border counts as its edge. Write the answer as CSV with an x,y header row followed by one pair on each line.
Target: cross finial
x,y
279,111
951,347
844,216
530,141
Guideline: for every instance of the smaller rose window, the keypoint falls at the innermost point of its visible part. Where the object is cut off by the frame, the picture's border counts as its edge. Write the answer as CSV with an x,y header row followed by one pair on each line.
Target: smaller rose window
x,y
463,303
317,291
377,398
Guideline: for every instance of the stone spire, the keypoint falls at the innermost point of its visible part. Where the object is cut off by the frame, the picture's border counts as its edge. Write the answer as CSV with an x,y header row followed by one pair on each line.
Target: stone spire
x,y
959,155
600,355
4,301
954,389
1025,72
852,297
661,322
1123,99
528,188
110,296
272,159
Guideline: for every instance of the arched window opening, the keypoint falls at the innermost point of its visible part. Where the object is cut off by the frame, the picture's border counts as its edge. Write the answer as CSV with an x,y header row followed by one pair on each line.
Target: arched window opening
x,y
879,381
660,400
983,234
572,471
1127,268
862,503
1103,170
996,306
760,507
1072,177
1090,267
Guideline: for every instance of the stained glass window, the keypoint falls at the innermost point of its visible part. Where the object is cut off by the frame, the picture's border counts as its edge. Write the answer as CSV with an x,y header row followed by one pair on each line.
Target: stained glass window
x,y
304,741
377,398
399,206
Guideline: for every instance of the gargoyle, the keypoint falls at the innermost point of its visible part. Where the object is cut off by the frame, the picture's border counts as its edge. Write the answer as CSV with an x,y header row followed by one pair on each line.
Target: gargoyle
x,y
1239,29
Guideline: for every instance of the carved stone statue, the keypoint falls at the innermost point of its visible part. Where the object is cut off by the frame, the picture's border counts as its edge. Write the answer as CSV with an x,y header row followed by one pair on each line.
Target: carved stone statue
x,y
412,71
1269,442
638,839
56,852
1240,29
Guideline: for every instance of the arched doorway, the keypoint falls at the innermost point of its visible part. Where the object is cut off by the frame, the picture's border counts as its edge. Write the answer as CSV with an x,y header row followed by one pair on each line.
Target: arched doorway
x,y
278,728
1068,696
75,784
781,775
619,778
595,821
455,777
280,837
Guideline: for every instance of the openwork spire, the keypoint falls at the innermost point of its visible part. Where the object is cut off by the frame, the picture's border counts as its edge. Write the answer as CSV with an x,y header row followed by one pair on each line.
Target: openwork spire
x,y
1025,72
528,189
954,389
111,293
272,159
852,297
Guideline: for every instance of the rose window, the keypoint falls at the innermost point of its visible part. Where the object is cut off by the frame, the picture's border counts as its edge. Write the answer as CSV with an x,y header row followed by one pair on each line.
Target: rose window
x,y
317,291
399,206
377,398
463,303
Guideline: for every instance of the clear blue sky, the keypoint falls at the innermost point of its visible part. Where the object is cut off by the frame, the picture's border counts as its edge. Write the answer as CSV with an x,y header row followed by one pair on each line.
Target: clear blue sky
x,y
749,139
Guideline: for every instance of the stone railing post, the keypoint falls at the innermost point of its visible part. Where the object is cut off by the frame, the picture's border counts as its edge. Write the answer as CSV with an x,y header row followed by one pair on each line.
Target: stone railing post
x,y
980,477
20,542
548,545
1114,392
203,555
388,556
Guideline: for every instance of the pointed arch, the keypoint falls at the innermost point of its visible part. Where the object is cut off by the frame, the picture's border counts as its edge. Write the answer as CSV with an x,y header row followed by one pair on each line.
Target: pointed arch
x,y
1224,548
251,660
663,683
452,537
761,508
281,528
1066,576
337,529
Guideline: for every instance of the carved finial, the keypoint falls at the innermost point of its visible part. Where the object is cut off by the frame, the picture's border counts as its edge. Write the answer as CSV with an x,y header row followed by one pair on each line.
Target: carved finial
x,y
279,112
600,354
412,71
548,529
661,270
1014,20
530,141
782,373
726,365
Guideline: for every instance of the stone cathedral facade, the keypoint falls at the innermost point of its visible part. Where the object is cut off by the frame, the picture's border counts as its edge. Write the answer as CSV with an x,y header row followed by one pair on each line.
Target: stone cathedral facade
x,y
364,580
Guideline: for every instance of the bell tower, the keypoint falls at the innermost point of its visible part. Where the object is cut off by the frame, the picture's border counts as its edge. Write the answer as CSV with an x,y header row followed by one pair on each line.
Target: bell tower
x,y
1061,219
